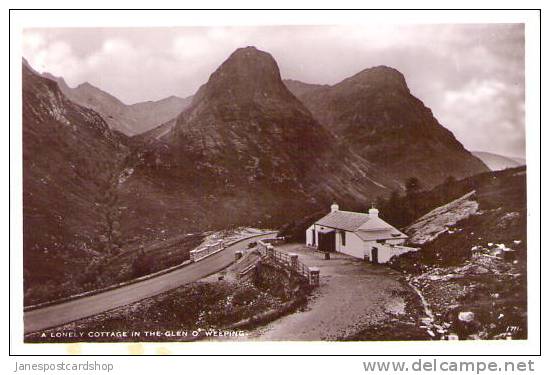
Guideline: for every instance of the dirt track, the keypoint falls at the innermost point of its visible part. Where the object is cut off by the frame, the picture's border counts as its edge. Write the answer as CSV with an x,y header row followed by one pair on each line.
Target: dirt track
x,y
352,295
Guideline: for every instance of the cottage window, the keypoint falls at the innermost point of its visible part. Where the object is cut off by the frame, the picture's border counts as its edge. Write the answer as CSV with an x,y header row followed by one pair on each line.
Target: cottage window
x,y
343,238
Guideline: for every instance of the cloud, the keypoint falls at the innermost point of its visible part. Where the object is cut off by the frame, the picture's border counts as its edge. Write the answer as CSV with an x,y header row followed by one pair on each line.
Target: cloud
x,y
471,76
475,92
488,114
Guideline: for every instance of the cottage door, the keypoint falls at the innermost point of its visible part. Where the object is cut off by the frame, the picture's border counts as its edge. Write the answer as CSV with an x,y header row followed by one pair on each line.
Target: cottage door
x,y
327,241
374,253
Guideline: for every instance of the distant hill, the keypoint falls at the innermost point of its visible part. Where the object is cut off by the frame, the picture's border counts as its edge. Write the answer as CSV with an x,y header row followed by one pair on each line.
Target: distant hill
x,y
128,119
497,162
299,88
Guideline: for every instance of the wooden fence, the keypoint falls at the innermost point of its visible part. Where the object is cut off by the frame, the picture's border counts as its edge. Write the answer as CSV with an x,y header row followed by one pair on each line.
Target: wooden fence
x,y
248,273
289,260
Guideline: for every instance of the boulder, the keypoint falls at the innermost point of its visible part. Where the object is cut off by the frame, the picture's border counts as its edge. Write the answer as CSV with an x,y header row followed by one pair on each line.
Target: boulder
x,y
466,316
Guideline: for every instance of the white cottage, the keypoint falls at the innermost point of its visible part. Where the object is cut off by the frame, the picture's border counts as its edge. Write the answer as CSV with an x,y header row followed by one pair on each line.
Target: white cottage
x,y
360,235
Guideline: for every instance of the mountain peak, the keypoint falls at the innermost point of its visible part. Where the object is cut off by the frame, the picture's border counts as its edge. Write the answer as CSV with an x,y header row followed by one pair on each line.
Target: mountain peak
x,y
376,115
250,53
380,75
248,50
250,61
86,85
248,74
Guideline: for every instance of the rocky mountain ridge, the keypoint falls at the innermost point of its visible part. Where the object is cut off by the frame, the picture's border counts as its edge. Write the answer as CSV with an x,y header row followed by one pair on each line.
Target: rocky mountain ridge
x,y
497,162
375,114
130,119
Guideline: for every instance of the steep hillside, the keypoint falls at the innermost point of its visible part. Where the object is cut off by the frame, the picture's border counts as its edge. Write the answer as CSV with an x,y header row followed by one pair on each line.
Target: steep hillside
x,y
496,162
375,113
71,165
128,119
472,266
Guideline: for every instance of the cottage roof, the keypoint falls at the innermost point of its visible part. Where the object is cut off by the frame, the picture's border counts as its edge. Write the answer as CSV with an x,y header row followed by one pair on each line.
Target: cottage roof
x,y
366,226
392,234
345,220
375,224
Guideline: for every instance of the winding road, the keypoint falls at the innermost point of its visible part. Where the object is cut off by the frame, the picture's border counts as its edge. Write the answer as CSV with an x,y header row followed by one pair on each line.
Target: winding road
x,y
55,315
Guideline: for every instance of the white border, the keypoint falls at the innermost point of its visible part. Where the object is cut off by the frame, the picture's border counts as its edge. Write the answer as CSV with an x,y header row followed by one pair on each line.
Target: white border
x,y
20,20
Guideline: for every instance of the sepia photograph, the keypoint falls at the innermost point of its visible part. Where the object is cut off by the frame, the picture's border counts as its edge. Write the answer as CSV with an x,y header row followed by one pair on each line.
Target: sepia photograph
x,y
252,183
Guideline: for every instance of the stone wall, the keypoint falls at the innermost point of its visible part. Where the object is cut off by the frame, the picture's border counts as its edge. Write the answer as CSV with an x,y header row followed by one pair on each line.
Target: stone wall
x,y
198,254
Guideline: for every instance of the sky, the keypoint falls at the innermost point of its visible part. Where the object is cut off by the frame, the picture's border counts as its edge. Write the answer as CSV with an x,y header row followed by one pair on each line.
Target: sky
x,y
472,76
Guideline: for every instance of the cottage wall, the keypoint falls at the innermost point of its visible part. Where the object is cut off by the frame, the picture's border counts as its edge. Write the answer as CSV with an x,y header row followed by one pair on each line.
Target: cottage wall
x,y
309,236
354,245
385,251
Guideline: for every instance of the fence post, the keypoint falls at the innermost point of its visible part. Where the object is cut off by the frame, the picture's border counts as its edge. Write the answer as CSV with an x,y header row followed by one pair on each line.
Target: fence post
x,y
314,276
293,261
270,251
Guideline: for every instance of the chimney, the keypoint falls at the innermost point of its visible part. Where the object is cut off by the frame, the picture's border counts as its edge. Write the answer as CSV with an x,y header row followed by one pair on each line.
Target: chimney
x,y
373,212
334,207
